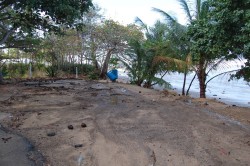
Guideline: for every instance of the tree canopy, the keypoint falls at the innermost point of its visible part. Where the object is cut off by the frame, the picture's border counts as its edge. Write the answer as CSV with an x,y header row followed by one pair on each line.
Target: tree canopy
x,y
20,19
231,22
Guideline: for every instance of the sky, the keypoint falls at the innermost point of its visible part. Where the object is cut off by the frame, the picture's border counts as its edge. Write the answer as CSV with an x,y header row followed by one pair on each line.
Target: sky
x,y
125,11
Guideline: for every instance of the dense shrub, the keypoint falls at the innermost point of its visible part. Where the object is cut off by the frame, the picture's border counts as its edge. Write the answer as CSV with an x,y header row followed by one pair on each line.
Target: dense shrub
x,y
70,68
15,70
19,70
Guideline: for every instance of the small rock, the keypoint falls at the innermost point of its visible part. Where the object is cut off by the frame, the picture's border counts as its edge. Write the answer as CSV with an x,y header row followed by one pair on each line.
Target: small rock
x,y
205,103
138,106
6,139
214,95
234,105
83,125
78,145
140,92
219,98
51,134
70,127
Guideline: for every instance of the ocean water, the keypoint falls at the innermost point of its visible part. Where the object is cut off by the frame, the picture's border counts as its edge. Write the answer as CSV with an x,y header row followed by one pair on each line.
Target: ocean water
x,y
234,92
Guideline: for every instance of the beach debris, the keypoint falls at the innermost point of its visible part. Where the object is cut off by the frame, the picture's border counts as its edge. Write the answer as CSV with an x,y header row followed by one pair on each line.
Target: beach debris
x,y
234,105
80,159
83,125
6,139
206,103
78,145
51,134
70,127
123,90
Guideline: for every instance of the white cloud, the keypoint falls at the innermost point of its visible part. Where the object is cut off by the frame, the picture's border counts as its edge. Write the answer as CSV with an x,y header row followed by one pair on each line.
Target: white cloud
x,y
126,11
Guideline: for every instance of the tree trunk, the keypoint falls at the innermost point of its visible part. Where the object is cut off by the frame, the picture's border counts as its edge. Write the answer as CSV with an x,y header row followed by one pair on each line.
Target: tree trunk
x,y
187,93
202,78
93,56
184,82
106,64
1,76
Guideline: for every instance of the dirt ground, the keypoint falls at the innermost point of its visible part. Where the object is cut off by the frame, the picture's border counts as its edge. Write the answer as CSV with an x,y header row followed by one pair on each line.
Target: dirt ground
x,y
79,122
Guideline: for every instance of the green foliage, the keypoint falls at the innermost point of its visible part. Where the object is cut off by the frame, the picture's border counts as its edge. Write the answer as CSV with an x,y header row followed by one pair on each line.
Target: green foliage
x,y
137,64
114,62
13,70
70,68
232,28
140,65
20,19
94,75
52,71
244,72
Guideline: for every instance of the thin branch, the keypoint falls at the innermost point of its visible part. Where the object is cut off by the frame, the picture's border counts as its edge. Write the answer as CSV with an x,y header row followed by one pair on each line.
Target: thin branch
x,y
191,84
221,74
6,36
216,64
160,78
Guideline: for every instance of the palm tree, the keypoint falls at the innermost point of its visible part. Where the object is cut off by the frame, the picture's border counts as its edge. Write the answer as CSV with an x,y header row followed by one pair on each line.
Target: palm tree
x,y
142,55
199,13
177,36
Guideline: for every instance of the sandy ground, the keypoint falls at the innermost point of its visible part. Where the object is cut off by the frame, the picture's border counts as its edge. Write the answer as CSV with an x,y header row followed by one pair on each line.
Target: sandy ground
x,y
125,125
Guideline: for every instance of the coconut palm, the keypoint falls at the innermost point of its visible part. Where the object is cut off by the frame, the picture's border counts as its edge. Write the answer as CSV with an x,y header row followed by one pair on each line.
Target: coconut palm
x,y
200,60
177,36
142,54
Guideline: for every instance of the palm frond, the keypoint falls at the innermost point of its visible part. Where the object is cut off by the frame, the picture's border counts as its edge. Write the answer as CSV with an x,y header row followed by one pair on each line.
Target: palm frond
x,y
172,62
189,59
162,82
141,23
204,10
167,16
185,6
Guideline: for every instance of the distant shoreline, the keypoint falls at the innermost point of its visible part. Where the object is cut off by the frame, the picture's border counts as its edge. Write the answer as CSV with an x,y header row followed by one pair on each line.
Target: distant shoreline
x,y
194,94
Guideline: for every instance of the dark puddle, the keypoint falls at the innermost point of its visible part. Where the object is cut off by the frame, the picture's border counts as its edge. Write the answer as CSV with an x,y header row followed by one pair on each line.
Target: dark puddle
x,y
17,150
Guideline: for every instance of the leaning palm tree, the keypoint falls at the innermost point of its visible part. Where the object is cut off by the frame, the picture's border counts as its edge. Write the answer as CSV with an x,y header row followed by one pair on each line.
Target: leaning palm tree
x,y
180,44
200,59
